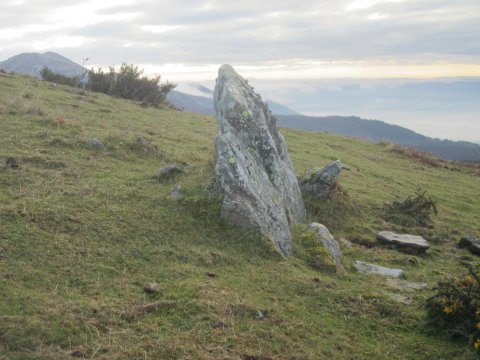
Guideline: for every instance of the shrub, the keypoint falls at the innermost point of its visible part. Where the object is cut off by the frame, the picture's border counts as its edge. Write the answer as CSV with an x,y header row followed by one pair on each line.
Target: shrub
x,y
49,75
129,83
416,210
456,307
27,104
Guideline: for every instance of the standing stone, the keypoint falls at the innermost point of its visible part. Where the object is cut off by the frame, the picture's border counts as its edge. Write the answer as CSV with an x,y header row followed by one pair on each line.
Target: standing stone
x,y
319,183
254,170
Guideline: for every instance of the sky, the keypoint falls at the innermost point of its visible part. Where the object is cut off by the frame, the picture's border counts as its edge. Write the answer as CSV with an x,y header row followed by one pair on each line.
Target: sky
x,y
287,42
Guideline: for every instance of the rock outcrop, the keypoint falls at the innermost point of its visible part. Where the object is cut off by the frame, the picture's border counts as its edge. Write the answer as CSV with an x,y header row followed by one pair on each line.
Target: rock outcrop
x,y
403,241
319,183
261,191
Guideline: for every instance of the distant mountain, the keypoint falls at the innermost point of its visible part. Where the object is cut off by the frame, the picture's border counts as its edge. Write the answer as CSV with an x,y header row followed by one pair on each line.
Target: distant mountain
x,y
32,63
376,131
202,102
279,109
192,103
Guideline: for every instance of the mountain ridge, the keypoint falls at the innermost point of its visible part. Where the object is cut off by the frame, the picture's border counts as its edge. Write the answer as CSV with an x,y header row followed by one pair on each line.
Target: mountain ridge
x,y
32,64
378,131
202,103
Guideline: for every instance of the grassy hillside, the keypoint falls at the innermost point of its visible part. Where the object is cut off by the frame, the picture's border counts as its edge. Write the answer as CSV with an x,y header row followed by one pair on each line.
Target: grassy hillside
x,y
82,231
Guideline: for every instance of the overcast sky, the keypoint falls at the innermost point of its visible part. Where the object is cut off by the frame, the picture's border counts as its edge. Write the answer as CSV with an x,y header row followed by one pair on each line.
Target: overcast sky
x,y
269,39
284,47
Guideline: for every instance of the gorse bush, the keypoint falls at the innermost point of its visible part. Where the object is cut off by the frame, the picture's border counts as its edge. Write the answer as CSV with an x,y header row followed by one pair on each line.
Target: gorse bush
x,y
129,83
456,307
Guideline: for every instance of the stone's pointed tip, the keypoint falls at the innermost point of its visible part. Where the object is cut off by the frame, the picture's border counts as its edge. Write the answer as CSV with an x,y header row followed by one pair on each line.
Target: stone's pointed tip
x,y
226,69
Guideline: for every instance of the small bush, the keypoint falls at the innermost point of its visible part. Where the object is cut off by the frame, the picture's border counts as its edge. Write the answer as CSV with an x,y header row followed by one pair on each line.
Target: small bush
x,y
456,307
27,105
129,83
416,210
49,75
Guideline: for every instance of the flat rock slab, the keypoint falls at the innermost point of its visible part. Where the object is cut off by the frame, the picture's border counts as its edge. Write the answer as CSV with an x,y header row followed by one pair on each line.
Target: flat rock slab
x,y
404,285
470,243
378,270
403,241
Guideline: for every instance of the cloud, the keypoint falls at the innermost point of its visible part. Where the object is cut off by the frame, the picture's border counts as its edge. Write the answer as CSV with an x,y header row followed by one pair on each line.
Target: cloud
x,y
306,36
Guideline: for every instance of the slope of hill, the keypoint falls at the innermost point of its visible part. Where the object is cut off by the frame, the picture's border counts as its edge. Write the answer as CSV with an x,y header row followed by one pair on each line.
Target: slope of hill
x,y
33,63
376,131
83,230
202,103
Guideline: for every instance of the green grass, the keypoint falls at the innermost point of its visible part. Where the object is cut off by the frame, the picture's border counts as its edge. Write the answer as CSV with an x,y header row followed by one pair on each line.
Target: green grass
x,y
82,231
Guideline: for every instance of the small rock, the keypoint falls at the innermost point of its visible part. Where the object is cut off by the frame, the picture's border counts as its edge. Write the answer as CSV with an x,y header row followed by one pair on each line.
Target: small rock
x,y
328,242
471,243
261,314
151,288
177,192
401,299
376,269
403,241
96,143
211,274
219,325
400,284
12,163
319,183
168,172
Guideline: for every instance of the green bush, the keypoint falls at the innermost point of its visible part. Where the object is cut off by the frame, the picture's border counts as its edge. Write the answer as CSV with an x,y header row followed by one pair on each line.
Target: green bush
x,y
129,83
49,75
456,307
